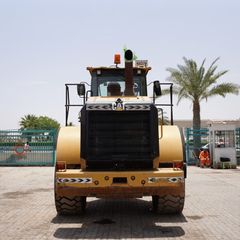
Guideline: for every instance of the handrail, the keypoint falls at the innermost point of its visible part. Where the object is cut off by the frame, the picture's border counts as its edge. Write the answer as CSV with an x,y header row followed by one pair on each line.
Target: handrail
x,y
161,123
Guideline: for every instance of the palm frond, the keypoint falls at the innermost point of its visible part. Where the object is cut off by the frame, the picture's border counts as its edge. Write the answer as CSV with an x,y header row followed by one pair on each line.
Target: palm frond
x,y
222,90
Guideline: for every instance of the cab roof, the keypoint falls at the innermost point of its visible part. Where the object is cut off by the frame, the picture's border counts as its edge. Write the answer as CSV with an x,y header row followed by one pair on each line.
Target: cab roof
x,y
114,68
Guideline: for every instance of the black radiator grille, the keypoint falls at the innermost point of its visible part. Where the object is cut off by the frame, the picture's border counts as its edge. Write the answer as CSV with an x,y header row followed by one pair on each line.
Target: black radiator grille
x,y
119,140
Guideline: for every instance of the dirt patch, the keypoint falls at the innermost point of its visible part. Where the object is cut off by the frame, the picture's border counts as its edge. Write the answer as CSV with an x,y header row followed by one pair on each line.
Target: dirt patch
x,y
19,194
195,217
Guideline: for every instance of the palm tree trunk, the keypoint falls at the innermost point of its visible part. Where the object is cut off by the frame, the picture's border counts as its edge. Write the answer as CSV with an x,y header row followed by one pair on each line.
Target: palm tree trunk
x,y
196,127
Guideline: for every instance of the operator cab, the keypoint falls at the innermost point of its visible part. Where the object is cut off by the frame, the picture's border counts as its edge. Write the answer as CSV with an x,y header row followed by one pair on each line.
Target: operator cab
x,y
111,81
126,84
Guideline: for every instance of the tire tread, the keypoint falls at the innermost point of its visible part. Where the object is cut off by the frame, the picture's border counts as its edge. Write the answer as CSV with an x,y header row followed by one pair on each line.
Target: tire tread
x,y
70,205
170,204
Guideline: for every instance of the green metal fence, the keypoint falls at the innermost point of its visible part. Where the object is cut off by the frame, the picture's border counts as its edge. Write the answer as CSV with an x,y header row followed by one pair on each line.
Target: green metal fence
x,y
191,158
238,138
27,147
238,145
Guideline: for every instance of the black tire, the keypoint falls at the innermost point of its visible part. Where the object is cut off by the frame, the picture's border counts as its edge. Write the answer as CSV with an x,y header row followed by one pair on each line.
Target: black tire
x,y
168,204
70,205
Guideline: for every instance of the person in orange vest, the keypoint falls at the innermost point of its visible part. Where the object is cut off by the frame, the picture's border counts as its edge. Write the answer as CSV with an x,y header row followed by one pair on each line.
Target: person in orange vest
x,y
204,158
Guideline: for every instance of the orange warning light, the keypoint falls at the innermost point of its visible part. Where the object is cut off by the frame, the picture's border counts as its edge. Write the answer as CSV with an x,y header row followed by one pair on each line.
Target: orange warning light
x,y
117,58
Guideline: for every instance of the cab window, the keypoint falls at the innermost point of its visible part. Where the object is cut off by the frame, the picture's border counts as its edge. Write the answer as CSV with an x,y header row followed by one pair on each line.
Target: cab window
x,y
115,86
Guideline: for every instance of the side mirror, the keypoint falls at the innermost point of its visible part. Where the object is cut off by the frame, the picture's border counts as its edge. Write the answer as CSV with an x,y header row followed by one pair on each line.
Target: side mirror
x,y
81,89
157,88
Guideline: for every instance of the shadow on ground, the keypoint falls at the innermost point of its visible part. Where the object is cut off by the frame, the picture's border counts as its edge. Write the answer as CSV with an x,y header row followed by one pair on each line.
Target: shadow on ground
x,y
118,219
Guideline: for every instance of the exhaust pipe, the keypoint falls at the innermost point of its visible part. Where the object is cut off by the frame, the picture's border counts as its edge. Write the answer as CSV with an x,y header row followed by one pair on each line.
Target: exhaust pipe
x,y
128,73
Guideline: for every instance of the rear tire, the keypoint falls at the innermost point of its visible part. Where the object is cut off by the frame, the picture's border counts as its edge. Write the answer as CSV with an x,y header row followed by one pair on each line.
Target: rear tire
x,y
168,204
70,205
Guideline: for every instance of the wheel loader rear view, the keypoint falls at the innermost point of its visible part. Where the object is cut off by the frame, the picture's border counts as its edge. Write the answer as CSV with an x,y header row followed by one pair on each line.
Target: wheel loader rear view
x,y
120,148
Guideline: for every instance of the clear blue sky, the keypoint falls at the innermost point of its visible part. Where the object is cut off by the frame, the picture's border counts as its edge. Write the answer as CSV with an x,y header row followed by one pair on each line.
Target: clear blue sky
x,y
45,44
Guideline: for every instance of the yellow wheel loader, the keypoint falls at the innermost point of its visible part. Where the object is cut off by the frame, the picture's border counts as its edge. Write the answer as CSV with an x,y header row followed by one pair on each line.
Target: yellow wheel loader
x,y
120,148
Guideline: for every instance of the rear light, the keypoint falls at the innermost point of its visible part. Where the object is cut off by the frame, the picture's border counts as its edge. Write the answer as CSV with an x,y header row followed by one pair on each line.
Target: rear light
x,y
177,165
61,166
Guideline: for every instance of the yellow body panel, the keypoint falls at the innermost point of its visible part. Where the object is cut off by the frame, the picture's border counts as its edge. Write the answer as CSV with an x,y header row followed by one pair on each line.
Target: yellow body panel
x,y
138,183
68,145
78,182
139,176
170,145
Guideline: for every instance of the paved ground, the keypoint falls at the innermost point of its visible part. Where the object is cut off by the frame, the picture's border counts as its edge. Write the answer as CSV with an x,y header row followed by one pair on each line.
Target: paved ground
x,y
212,210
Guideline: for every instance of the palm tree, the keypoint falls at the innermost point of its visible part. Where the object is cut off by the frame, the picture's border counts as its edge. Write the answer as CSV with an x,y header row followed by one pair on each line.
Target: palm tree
x,y
29,121
196,84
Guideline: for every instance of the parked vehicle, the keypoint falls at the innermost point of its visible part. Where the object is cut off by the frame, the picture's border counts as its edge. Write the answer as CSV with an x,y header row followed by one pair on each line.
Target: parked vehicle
x,y
119,150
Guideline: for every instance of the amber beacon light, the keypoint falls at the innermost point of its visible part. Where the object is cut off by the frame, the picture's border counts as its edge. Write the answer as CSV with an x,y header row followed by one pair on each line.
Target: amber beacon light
x,y
117,58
